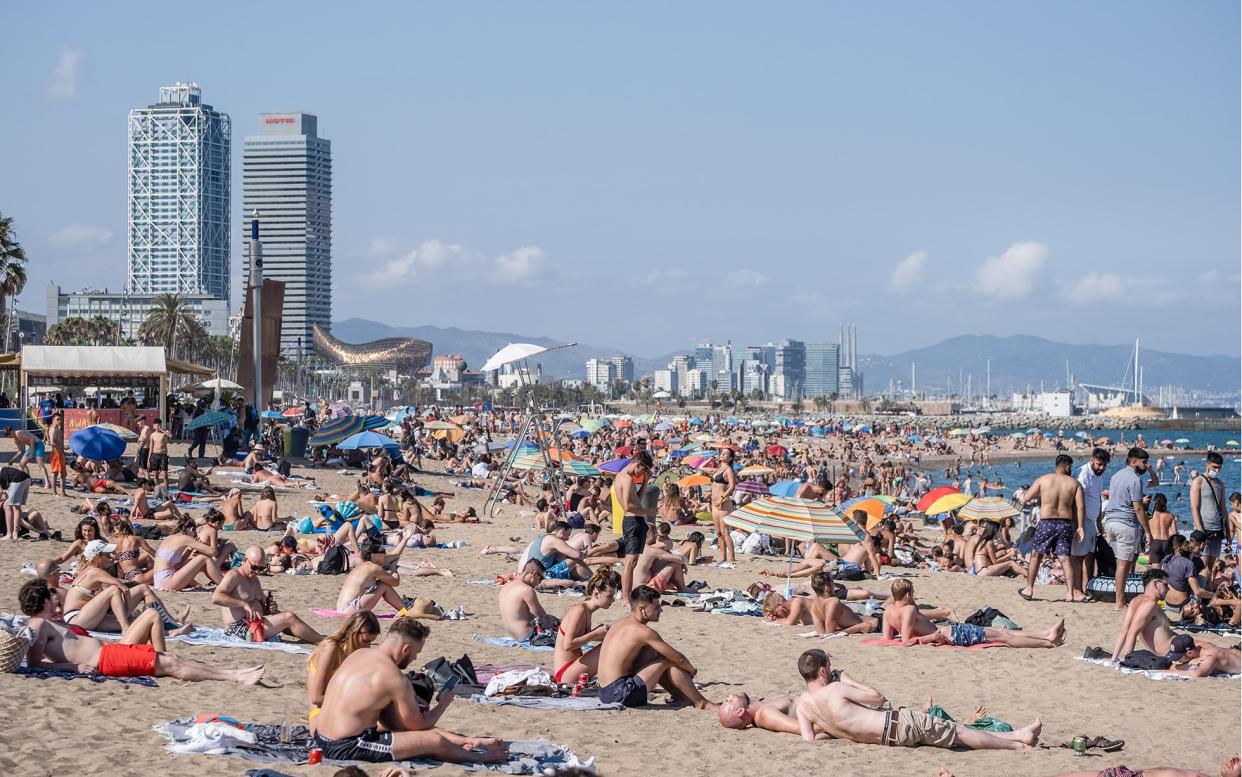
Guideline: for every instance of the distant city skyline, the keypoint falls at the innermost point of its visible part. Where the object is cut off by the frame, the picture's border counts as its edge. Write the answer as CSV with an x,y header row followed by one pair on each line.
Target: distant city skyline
x,y
592,175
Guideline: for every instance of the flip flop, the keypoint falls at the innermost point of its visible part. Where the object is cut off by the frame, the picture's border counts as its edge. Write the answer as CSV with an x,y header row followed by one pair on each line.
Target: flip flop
x,y
1028,597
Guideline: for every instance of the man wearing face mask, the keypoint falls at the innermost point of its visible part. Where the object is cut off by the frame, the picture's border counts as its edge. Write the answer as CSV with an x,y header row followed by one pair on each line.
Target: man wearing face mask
x,y
1125,517
1207,507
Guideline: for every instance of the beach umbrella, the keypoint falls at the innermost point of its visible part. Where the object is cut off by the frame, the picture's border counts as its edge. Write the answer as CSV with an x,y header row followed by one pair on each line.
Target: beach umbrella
x,y
690,481
366,440
988,508
579,468
696,461
786,488
665,477
513,352
959,432
661,395
592,425
1231,443
658,444
928,499
873,507
374,423
795,520
623,424
532,461
624,450
210,418
337,429
614,466
97,444
1166,441
1181,441
292,411
119,431
272,415
776,450
695,422
580,434
557,454
1018,434
1032,430
755,470
340,409
663,426
677,454
752,487
434,426
946,503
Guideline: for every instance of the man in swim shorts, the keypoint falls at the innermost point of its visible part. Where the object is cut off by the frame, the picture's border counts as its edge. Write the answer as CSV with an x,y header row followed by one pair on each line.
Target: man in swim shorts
x,y
634,659
903,619
244,606
59,646
1062,510
634,523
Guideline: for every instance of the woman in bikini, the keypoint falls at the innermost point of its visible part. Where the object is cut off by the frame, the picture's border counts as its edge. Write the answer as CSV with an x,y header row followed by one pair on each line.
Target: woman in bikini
x,y
1162,526
98,601
209,534
723,483
389,506
265,512
129,554
181,557
86,530
359,631
985,561
575,630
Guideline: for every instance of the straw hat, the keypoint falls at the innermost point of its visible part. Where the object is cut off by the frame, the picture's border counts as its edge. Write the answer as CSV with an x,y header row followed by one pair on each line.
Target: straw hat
x,y
425,609
12,651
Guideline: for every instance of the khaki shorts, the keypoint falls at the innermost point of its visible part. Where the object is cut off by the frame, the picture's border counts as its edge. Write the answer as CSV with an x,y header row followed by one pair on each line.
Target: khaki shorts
x,y
912,728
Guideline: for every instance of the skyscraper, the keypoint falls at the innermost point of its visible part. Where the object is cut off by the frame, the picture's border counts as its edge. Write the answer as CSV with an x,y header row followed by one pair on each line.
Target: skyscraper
x,y
179,196
287,175
822,370
790,369
622,368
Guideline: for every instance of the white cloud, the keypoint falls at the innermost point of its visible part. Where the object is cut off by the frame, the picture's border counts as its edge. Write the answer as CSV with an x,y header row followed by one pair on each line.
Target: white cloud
x,y
63,84
1013,274
664,277
908,272
432,256
747,278
1096,287
79,236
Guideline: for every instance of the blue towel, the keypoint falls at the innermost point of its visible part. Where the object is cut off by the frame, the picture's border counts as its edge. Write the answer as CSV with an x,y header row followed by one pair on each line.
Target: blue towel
x,y
511,642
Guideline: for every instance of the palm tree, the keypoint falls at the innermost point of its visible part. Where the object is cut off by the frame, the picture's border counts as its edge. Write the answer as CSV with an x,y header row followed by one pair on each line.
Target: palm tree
x,y
12,273
170,322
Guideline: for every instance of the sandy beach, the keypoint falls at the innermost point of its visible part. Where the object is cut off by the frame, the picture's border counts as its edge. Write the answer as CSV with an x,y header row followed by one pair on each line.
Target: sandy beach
x,y
56,727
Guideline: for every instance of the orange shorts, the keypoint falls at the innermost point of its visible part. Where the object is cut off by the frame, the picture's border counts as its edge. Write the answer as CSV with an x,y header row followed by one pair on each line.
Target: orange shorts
x,y
57,462
126,660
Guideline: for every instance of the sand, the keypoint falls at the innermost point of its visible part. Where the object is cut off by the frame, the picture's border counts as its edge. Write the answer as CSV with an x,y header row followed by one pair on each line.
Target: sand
x,y
57,727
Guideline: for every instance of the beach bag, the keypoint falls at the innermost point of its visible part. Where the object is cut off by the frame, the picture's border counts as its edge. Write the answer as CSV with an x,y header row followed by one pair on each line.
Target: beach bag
x,y
1105,559
983,618
12,651
1145,659
335,561
440,670
283,468
424,689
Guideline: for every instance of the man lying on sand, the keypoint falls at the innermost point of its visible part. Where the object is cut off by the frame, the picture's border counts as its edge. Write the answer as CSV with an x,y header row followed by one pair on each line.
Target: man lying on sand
x,y
1230,768
903,618
248,613
771,713
844,708
634,659
140,653
1146,620
369,687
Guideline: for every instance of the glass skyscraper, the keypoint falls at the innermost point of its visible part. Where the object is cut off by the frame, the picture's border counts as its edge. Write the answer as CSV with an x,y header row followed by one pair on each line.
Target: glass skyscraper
x,y
822,361
179,196
287,178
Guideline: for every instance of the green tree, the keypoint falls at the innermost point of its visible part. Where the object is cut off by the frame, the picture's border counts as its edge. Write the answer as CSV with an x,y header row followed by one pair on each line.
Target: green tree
x,y
84,331
173,324
12,274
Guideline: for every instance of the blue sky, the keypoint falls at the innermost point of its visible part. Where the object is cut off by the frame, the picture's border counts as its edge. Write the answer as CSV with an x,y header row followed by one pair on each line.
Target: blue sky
x,y
646,174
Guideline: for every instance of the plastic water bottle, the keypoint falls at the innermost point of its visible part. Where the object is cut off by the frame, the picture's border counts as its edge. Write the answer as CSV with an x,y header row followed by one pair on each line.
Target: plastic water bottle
x,y
286,733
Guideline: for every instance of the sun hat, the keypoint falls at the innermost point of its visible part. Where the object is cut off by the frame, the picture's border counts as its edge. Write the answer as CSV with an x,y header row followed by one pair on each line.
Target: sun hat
x,y
95,547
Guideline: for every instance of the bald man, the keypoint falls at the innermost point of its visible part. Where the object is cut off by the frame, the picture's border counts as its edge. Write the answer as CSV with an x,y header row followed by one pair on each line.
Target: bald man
x,y
247,613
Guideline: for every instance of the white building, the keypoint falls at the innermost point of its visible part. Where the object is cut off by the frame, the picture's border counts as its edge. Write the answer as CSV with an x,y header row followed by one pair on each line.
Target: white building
x,y
287,175
179,196
599,373
130,310
622,368
1058,404
665,380
696,383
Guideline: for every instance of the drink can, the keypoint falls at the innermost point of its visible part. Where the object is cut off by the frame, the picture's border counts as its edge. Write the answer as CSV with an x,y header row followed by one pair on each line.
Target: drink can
x,y
314,756
584,679
1080,745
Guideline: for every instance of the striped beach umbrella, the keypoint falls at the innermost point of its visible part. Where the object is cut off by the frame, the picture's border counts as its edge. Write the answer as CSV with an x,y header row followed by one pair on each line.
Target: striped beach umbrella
x,y
374,423
756,470
531,461
752,487
801,520
119,431
334,430
947,502
579,468
988,508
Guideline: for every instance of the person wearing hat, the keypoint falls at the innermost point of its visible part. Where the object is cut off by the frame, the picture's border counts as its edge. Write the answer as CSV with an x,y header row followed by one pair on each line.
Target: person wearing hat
x,y
375,578
98,601
252,460
1195,659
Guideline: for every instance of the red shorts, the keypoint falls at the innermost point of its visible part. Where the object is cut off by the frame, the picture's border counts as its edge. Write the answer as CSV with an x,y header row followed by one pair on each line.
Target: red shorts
x,y
126,661
57,462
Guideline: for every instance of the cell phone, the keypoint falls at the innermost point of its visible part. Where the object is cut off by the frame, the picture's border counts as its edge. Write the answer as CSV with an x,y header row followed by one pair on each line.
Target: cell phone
x,y
449,685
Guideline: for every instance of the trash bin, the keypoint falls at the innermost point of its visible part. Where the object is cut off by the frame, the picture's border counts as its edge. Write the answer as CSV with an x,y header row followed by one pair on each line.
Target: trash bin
x,y
296,438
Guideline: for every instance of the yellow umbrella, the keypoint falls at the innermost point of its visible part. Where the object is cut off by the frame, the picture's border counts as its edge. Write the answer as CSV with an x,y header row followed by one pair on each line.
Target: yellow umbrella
x,y
946,503
755,470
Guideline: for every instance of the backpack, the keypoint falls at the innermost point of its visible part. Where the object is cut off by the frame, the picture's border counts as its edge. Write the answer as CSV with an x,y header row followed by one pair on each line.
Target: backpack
x,y
335,561
984,617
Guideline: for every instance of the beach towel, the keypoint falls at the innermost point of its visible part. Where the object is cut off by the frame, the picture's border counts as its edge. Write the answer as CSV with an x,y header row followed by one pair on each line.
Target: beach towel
x,y
817,635
326,613
510,642
1150,674
525,757
1223,629
897,643
202,635
43,674
570,703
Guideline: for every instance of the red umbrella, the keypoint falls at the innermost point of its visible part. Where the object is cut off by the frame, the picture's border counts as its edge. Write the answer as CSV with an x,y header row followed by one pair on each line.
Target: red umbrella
x,y
292,411
931,496
624,450
776,450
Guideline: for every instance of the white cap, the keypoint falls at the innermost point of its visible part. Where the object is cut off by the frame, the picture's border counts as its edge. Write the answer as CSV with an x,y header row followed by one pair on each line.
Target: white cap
x,y
95,547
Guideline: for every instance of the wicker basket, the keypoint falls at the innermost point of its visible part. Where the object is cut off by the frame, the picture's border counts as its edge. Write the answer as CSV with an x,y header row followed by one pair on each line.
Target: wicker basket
x,y
12,651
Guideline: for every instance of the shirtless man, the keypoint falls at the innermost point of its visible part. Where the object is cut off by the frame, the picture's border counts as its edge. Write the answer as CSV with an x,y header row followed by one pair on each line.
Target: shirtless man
x,y
903,619
1146,620
56,439
847,709
658,568
157,461
248,613
561,560
28,447
369,581
829,613
368,691
634,659
140,653
520,609
1062,510
771,713
143,455
863,554
191,478
634,523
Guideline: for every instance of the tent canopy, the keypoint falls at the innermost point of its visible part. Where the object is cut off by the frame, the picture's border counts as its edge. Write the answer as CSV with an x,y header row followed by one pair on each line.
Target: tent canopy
x,y
85,360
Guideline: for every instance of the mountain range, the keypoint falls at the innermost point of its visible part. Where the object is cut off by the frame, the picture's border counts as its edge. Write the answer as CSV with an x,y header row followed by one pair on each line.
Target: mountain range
x,y
1017,361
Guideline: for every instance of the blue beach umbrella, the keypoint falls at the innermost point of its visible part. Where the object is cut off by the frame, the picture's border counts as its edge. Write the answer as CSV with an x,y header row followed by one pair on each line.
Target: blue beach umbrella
x,y
786,488
366,440
97,444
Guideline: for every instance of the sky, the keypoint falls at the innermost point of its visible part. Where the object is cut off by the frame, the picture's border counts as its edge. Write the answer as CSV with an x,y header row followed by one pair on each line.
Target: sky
x,y
645,175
